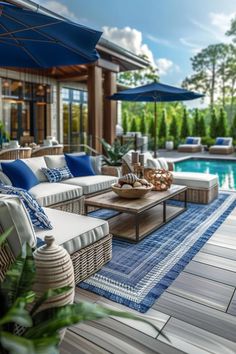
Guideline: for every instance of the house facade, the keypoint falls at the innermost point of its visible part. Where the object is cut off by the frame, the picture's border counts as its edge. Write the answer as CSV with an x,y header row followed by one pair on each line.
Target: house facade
x,y
66,102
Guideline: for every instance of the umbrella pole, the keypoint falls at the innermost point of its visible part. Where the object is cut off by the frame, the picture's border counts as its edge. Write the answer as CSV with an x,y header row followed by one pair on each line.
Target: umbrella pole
x,y
155,129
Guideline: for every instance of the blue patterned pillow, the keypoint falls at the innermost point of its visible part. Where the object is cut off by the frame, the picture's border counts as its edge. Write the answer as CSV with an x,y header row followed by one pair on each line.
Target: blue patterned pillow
x,y
57,174
36,212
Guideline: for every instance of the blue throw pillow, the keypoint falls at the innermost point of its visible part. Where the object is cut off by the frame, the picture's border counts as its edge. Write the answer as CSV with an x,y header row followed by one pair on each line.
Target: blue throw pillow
x,y
219,141
20,174
36,212
189,141
79,166
57,174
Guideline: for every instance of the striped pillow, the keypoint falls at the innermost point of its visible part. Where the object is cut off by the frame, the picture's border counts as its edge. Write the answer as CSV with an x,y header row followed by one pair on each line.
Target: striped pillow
x,y
57,174
37,215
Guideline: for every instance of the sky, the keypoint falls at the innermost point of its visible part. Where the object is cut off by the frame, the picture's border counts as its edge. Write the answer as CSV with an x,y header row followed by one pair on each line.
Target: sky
x,y
169,32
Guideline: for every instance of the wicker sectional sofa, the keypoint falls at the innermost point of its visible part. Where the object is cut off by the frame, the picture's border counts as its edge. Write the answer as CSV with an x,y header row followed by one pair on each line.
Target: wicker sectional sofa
x,y
86,239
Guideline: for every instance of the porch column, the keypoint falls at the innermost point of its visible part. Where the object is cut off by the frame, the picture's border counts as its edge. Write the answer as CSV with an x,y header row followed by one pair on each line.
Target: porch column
x,y
110,107
95,105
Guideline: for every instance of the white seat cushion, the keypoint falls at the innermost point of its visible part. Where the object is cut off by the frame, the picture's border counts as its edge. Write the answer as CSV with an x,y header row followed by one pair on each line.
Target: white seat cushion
x,y
221,147
189,145
92,184
52,193
14,214
72,231
195,180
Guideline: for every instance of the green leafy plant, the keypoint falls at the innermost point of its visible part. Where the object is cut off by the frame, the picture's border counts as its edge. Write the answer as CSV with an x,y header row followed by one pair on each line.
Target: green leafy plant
x,y
40,327
115,151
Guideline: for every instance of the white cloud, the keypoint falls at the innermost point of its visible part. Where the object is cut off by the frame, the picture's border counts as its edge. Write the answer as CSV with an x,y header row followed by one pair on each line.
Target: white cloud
x,y
221,21
130,39
59,9
161,41
194,47
164,65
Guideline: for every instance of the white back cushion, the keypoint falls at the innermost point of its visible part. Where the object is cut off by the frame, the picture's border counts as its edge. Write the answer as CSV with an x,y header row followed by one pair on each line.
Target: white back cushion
x,y
35,164
13,213
58,161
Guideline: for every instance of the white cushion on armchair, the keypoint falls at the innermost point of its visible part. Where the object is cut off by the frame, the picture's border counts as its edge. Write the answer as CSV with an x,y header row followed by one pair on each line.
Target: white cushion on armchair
x,y
13,213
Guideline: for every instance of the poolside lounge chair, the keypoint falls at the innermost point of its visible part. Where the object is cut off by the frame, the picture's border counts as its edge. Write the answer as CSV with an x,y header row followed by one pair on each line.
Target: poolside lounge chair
x,y
222,146
192,144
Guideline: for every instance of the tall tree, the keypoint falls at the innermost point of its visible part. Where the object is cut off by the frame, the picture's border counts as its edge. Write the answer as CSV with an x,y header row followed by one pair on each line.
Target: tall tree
x,y
207,65
174,129
195,130
222,128
134,125
143,124
213,124
233,128
202,126
151,128
125,122
185,125
163,128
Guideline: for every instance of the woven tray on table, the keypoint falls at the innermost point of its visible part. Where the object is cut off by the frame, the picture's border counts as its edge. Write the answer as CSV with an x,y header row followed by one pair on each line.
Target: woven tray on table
x,y
160,179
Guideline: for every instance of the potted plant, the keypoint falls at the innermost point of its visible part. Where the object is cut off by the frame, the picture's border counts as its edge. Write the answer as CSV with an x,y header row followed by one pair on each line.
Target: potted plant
x,y
24,327
169,144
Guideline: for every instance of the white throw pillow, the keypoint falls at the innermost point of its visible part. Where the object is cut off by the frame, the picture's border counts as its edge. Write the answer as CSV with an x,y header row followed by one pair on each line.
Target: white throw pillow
x,y
153,163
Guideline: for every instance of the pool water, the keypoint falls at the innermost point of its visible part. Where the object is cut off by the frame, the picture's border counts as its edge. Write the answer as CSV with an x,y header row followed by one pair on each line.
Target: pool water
x,y
225,169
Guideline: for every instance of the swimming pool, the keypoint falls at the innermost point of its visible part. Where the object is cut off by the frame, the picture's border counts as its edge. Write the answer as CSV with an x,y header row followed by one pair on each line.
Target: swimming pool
x,y
225,169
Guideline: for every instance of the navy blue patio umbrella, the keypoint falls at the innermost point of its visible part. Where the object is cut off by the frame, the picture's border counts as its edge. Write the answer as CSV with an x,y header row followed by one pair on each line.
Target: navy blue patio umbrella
x,y
155,92
30,39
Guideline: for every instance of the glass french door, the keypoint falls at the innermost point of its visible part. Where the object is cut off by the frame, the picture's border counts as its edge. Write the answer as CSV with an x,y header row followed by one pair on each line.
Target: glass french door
x,y
75,117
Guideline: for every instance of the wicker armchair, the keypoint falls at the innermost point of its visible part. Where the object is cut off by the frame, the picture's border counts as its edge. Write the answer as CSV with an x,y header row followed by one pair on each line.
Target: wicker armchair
x,y
15,153
48,150
86,260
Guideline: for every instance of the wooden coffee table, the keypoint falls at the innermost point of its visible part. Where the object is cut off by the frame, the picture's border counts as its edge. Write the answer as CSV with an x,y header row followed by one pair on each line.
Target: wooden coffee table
x,y
138,217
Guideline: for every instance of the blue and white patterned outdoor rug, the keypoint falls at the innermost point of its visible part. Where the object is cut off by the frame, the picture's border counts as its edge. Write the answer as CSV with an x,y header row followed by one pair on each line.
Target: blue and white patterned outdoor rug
x,y
139,273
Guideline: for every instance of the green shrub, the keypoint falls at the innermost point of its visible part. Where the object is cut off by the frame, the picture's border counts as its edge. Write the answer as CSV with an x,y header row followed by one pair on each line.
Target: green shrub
x,y
222,126
174,129
196,123
207,140
185,125
125,122
213,124
134,125
163,127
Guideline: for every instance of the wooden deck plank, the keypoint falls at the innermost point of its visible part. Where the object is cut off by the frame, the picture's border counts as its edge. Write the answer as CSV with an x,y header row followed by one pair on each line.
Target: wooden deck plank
x,y
195,340
202,290
184,311
207,318
118,338
216,261
211,272
220,251
232,306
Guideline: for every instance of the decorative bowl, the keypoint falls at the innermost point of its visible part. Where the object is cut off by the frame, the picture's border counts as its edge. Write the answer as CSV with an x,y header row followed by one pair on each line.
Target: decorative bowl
x,y
160,179
132,193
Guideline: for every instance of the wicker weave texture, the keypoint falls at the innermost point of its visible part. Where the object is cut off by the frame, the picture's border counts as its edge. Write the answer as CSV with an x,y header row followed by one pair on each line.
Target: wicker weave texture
x,y
201,196
48,150
75,206
190,149
89,260
13,154
226,151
